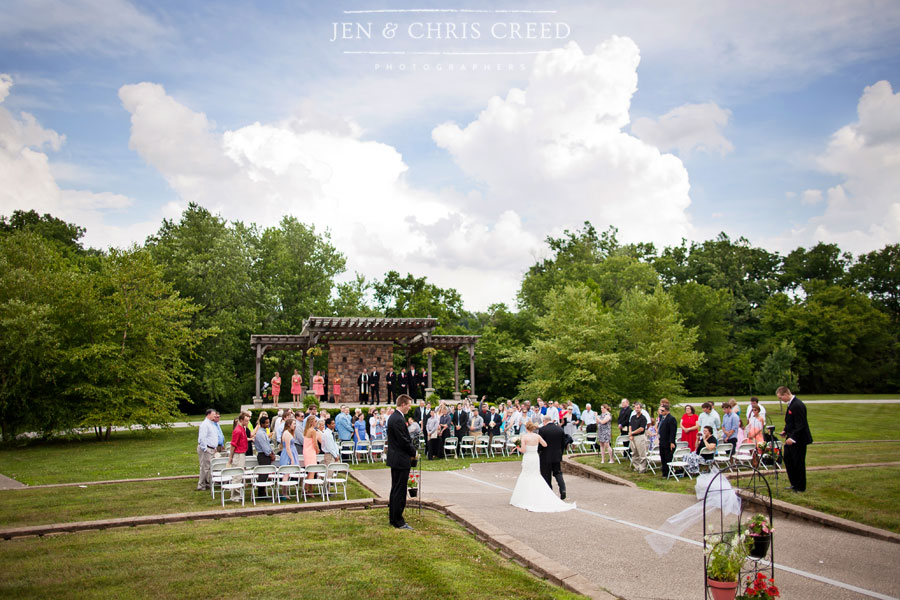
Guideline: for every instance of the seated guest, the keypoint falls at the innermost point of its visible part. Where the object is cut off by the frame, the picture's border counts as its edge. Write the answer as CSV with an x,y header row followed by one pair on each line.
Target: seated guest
x,y
706,451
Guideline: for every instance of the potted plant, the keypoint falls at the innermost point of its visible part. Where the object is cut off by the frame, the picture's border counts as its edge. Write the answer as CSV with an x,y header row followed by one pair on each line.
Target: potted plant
x,y
414,461
725,556
759,530
412,485
760,588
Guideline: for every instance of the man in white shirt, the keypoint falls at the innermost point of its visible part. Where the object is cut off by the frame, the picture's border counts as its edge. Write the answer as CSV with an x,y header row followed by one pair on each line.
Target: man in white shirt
x,y
553,412
709,417
754,401
329,446
589,418
515,421
207,440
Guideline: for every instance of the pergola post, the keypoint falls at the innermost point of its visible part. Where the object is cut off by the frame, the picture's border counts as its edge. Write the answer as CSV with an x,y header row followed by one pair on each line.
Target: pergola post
x,y
309,381
258,368
429,372
455,370
472,368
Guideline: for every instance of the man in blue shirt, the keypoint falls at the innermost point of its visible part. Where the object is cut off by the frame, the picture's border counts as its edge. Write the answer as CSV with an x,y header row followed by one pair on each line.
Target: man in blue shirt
x,y
730,425
343,424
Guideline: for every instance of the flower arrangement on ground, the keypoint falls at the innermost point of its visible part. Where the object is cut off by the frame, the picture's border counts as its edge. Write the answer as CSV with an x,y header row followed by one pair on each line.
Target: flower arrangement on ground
x,y
770,455
760,588
725,556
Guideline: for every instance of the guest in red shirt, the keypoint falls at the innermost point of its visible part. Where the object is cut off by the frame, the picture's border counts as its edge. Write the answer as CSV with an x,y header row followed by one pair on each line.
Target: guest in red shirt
x,y
689,427
238,452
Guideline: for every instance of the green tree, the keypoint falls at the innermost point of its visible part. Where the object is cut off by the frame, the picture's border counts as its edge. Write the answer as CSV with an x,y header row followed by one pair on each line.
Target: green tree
x,y
878,275
65,236
211,262
776,370
410,296
130,367
823,262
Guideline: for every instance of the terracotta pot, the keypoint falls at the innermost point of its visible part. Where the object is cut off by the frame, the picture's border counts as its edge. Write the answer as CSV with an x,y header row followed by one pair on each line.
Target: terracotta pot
x,y
413,492
761,543
722,590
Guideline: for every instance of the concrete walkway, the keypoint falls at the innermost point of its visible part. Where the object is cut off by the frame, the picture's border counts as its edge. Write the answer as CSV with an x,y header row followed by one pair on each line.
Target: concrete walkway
x,y
604,539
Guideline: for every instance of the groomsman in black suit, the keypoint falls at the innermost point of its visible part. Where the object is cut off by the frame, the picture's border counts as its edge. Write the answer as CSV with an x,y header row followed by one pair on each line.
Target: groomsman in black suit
x,y
399,454
391,380
422,414
492,424
551,455
403,382
374,386
413,382
667,427
796,438
423,382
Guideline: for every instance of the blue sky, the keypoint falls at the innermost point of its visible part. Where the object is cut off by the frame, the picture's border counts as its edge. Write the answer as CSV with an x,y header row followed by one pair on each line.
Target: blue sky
x,y
776,121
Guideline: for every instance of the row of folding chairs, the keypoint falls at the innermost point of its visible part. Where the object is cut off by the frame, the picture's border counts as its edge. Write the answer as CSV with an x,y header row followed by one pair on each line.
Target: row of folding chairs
x,y
277,481
369,451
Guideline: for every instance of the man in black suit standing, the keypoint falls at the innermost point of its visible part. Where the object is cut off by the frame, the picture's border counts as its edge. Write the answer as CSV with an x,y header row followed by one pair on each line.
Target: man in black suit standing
x,y
374,386
624,421
460,420
362,384
403,382
391,380
399,454
412,379
796,438
551,455
422,414
492,424
667,427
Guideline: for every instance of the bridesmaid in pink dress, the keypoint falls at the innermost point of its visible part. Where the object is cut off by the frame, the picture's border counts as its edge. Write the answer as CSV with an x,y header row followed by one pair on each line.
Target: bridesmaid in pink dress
x,y
336,389
311,441
276,388
296,387
319,385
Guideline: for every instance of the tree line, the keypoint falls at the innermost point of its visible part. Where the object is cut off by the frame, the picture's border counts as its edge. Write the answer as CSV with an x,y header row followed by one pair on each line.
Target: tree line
x,y
95,339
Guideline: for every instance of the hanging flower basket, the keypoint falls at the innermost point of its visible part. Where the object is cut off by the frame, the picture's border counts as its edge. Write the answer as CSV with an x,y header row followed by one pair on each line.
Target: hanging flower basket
x,y
429,351
314,351
760,546
413,492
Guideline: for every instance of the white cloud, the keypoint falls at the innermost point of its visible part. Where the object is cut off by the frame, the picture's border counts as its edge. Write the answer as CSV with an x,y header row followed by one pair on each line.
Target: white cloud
x,y
863,212
556,151
811,197
324,173
27,181
686,128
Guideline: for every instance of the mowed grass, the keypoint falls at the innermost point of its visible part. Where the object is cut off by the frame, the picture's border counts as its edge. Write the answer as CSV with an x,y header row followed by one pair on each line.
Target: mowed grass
x,y
870,496
66,504
341,554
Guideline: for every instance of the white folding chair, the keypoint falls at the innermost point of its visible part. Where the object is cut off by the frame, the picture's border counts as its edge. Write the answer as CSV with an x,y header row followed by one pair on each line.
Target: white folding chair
x,y
251,462
318,473
216,466
743,456
467,444
589,443
723,456
620,449
289,478
498,444
347,452
337,474
511,444
678,462
451,445
362,450
377,449
263,478
577,443
654,460
232,479
482,445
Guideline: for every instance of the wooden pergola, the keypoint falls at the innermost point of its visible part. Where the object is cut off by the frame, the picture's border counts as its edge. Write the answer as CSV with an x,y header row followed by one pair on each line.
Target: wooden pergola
x,y
412,334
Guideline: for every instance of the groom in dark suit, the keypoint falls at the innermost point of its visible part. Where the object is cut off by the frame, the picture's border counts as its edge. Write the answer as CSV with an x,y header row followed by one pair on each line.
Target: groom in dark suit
x,y
796,438
551,456
399,452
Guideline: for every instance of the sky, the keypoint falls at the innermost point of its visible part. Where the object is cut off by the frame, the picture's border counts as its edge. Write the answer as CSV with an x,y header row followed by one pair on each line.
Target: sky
x,y
450,139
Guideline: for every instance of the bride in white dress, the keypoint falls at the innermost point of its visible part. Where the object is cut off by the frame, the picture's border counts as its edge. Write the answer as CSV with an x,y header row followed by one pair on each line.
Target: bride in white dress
x,y
532,492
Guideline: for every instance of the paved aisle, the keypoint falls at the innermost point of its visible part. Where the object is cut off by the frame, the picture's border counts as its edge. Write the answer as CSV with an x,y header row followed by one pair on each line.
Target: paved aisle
x,y
604,539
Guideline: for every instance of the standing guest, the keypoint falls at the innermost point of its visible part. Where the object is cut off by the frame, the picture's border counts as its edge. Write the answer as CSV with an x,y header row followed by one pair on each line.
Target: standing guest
x,y
336,390
325,388
343,424
667,427
375,386
553,412
296,387
651,430
624,421
359,429
249,432
432,435
754,401
567,415
399,456
390,380
796,438
221,447
476,424
319,386
709,417
413,381
730,426
492,424
276,388
423,383
514,423
207,441
689,427
637,435
288,450
312,439
444,428
735,408
378,425
755,426
422,414
589,419
542,406
460,421
264,452
238,452
604,433
403,382
362,384
279,426
329,446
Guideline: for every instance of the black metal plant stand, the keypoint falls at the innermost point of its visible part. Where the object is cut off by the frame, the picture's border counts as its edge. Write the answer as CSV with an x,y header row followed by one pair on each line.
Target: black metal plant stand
x,y
759,487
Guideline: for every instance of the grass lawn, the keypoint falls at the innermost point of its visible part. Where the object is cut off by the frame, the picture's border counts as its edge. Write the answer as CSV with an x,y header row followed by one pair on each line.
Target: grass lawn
x,y
58,505
346,554
869,496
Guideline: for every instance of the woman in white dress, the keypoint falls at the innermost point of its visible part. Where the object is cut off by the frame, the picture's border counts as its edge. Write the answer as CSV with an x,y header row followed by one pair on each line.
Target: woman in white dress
x,y
532,492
